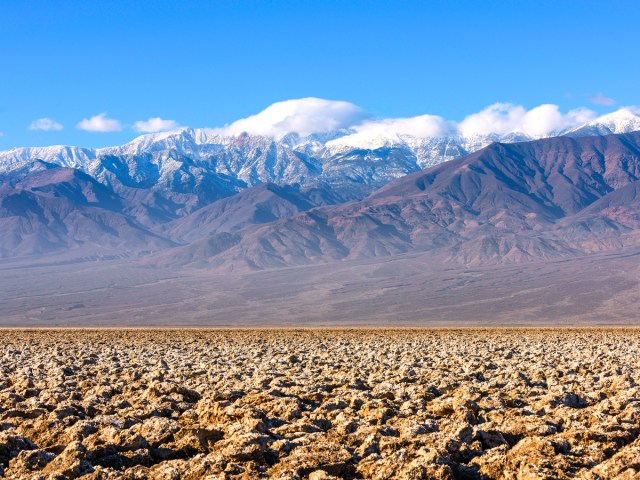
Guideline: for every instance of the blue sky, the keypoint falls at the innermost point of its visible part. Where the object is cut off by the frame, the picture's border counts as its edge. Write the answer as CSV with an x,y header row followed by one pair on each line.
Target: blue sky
x,y
206,64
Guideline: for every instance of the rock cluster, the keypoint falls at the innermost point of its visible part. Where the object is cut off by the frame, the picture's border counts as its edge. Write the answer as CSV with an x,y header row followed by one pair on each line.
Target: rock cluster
x,y
320,404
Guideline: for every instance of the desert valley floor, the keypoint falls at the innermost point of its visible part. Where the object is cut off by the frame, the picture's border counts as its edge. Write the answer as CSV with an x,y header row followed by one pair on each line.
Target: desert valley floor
x,y
403,290
320,403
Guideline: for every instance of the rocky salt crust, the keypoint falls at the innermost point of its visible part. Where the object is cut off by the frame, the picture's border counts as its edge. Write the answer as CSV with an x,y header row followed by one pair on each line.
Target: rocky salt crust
x,y
320,404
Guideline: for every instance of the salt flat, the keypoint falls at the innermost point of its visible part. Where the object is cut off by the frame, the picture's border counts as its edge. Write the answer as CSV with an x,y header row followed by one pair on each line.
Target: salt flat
x,y
320,403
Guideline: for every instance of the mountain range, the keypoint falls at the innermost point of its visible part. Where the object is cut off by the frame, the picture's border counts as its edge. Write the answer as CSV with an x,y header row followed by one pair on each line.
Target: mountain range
x,y
510,203
194,167
196,198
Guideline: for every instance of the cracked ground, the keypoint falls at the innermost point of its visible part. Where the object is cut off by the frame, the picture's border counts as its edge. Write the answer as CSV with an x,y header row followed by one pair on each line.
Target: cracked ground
x,y
320,404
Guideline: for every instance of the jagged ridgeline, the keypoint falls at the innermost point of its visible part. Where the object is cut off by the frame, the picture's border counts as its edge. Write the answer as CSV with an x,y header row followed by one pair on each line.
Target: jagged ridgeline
x,y
194,196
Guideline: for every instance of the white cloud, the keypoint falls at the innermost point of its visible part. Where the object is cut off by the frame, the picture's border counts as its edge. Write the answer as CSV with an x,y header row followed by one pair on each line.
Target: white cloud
x,y
547,119
543,119
502,118
155,124
45,124
374,133
306,116
420,126
579,116
497,118
99,123
303,116
601,99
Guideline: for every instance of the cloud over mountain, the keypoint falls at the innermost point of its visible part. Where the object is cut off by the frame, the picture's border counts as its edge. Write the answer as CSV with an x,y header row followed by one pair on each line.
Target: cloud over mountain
x,y
355,126
502,118
306,116
303,116
424,126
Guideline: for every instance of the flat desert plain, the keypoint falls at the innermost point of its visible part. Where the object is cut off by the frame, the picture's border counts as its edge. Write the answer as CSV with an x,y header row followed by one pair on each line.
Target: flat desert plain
x,y
320,404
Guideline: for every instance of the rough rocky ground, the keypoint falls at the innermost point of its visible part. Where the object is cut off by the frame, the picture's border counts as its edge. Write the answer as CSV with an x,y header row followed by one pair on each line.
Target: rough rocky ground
x,y
320,404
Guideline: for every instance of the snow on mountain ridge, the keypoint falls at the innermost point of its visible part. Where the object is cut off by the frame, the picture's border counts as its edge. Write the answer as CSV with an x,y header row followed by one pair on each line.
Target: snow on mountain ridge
x,y
63,155
187,157
623,120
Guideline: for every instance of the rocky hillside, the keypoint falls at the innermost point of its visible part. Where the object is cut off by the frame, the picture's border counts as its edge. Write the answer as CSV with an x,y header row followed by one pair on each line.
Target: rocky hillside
x,y
505,203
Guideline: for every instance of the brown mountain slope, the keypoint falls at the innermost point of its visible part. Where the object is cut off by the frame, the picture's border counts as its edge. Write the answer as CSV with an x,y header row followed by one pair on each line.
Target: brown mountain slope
x,y
60,209
505,203
264,203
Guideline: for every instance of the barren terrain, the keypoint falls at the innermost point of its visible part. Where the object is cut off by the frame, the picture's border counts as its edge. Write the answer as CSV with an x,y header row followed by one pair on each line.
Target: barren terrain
x,y
319,404
409,290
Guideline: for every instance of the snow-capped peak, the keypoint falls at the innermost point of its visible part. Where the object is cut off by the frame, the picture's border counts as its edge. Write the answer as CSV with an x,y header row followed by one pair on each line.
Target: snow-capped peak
x,y
620,121
624,120
372,153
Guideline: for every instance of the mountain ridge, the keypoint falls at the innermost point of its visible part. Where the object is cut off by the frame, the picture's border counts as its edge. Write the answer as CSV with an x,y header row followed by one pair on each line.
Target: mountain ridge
x,y
188,158
505,203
